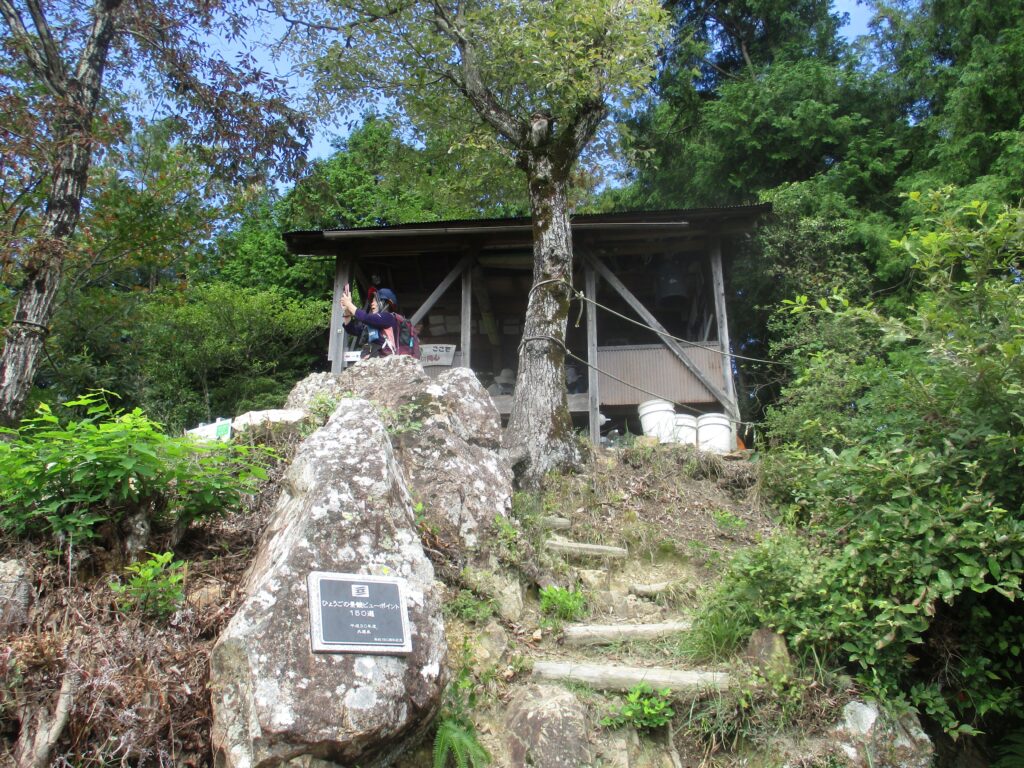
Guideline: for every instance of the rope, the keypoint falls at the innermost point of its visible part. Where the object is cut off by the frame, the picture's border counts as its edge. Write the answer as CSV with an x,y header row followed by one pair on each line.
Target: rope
x,y
579,295
31,324
612,376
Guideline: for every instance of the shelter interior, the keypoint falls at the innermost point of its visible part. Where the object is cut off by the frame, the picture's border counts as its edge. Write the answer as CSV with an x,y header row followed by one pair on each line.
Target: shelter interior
x,y
649,322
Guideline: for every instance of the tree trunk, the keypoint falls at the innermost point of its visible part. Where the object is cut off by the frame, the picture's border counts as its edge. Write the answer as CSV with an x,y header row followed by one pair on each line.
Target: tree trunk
x,y
78,97
540,437
43,267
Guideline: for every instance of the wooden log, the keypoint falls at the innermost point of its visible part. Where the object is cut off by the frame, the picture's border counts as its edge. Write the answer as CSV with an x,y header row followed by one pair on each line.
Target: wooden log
x,y
614,677
577,549
552,523
604,634
649,590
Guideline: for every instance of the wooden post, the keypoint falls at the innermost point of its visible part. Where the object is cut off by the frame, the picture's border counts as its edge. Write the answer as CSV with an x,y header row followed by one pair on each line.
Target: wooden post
x,y
467,315
722,321
336,342
488,325
674,346
593,395
458,269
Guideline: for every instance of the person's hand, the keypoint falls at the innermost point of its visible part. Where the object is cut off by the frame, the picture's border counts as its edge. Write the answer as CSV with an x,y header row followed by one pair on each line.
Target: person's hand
x,y
347,305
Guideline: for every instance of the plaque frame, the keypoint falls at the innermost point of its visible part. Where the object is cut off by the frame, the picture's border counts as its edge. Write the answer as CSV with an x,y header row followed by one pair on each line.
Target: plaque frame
x,y
319,644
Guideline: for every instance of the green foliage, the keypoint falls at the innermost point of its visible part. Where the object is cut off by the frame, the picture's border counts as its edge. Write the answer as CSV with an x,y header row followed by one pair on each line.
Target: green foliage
x,y
468,607
764,703
321,406
155,586
456,743
561,603
234,349
644,709
1010,751
456,740
901,452
401,419
69,479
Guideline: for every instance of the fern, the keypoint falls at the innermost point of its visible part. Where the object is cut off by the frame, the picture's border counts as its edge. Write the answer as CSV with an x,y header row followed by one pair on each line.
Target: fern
x,y
459,741
1010,751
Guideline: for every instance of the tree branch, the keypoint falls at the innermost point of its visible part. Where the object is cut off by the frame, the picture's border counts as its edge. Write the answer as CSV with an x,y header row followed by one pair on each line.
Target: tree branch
x,y
472,84
54,79
35,744
50,50
582,127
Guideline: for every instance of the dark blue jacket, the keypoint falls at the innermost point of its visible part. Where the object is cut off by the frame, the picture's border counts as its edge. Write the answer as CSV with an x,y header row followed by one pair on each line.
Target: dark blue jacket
x,y
371,325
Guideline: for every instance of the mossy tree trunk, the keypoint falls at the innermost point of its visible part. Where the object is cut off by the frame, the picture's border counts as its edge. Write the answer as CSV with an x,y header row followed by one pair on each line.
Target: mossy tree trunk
x,y
540,436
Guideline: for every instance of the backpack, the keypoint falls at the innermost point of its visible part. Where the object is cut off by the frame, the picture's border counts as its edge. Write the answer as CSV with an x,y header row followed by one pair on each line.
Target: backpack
x,y
408,342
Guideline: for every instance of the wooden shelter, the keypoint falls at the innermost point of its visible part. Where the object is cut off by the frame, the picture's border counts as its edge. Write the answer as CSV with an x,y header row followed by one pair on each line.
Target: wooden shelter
x,y
654,323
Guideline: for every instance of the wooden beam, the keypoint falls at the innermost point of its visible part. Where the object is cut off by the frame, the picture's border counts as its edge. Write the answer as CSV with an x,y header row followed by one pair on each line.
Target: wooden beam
x,y
593,395
722,320
464,263
666,338
467,318
336,342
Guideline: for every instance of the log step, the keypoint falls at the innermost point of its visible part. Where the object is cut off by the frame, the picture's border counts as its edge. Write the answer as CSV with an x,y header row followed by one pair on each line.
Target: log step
x,y
551,523
604,634
649,590
566,547
615,677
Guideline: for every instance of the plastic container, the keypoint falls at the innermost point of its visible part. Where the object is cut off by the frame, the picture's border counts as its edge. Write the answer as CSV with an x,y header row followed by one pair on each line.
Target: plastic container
x,y
685,429
658,419
714,433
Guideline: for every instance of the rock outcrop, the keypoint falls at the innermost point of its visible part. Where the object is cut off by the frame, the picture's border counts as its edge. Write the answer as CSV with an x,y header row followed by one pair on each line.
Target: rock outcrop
x,y
446,433
869,737
546,727
344,508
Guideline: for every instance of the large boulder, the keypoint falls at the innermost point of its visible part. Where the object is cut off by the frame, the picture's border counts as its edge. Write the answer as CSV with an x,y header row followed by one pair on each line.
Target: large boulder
x,y
343,508
446,433
546,727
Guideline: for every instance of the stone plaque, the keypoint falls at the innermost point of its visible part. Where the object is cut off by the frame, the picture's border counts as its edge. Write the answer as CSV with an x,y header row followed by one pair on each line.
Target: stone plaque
x,y
355,613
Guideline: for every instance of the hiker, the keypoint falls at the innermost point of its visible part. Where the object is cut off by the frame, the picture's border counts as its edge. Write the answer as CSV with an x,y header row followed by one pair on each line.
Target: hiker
x,y
369,327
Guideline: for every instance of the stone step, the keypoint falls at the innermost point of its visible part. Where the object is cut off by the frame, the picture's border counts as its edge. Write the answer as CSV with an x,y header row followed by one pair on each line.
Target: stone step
x,y
616,677
604,634
578,549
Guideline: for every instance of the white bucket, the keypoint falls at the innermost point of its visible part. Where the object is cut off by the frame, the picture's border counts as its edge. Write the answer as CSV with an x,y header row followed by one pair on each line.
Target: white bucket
x,y
714,433
658,417
685,429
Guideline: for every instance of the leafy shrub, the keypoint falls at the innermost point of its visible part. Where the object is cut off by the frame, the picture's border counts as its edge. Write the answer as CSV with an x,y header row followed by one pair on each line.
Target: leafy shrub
x,y
68,480
562,603
154,587
469,607
908,482
643,709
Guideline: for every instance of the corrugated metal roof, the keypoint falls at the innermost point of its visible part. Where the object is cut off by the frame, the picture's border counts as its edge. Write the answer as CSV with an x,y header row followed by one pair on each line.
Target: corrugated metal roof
x,y
623,217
